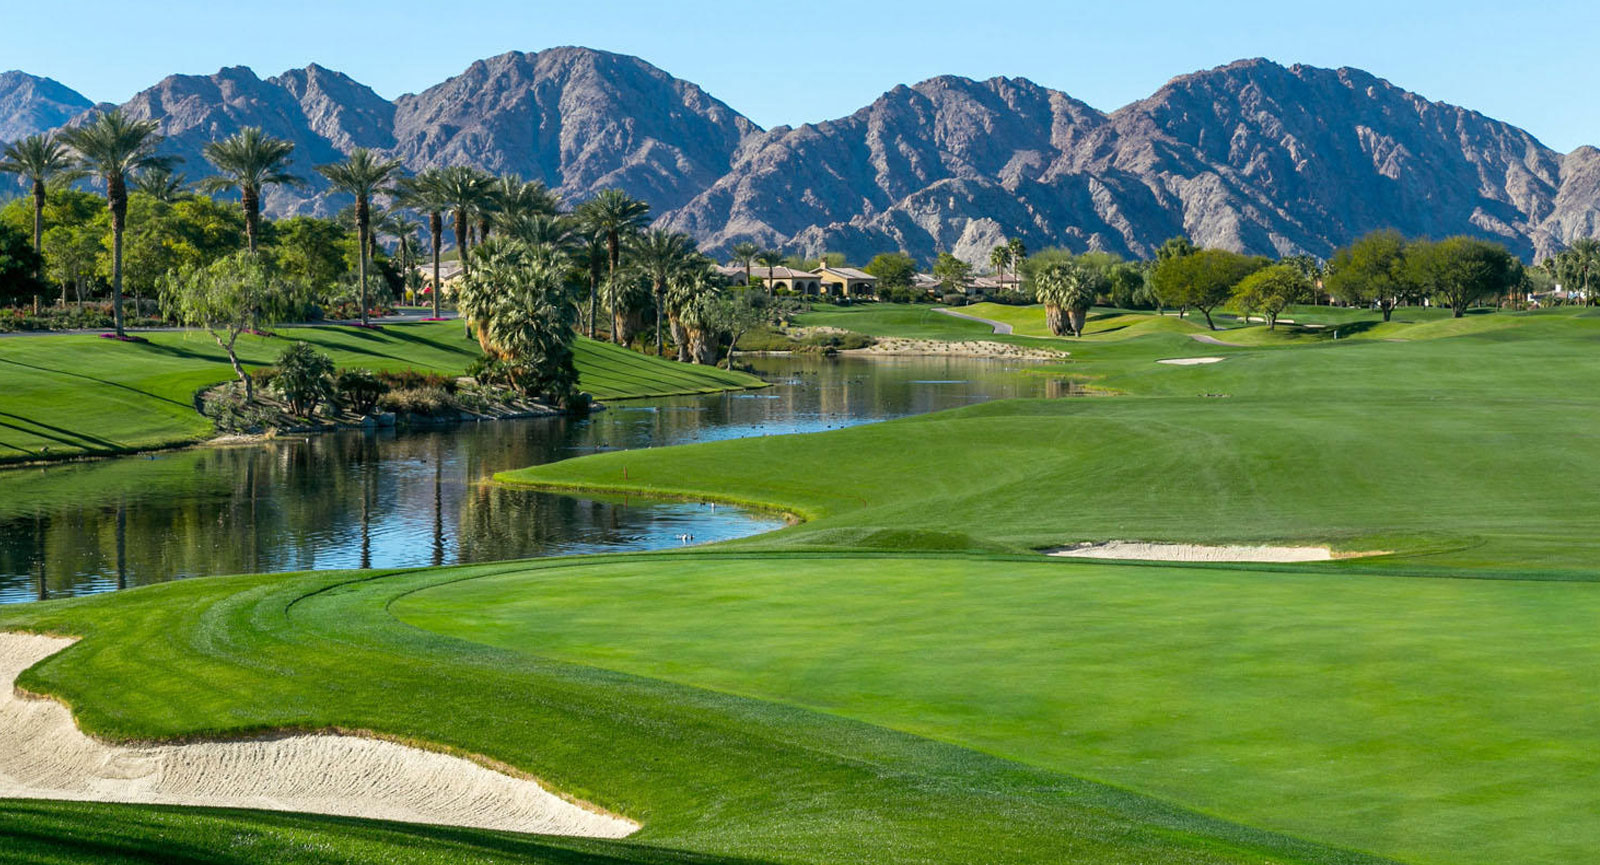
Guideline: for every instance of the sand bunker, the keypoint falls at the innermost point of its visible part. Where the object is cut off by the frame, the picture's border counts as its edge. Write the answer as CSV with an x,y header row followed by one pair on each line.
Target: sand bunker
x,y
1190,361
43,755
1191,552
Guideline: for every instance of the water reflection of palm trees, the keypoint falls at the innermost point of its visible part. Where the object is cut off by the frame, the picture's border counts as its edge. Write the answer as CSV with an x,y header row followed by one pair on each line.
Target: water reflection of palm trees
x,y
385,499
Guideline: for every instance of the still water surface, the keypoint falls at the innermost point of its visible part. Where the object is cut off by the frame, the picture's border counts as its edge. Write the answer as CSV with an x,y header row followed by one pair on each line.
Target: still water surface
x,y
396,498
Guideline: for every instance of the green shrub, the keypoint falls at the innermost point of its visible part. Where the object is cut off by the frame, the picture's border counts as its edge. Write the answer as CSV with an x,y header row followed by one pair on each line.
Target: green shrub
x,y
359,390
425,401
232,413
305,378
836,342
264,377
414,379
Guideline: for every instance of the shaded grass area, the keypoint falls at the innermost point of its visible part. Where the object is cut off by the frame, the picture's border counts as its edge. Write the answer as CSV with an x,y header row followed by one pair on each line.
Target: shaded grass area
x,y
67,833
1418,718
708,773
66,395
1454,452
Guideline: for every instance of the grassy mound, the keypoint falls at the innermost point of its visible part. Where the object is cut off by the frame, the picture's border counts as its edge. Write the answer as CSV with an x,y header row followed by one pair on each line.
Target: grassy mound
x,y
67,395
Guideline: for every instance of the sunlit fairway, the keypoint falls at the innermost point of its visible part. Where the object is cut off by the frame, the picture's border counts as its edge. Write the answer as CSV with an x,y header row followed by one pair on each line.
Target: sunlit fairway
x,y
81,394
1464,451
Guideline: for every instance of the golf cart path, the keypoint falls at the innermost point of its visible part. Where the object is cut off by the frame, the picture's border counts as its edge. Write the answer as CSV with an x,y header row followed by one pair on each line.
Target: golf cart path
x,y
1000,327
43,755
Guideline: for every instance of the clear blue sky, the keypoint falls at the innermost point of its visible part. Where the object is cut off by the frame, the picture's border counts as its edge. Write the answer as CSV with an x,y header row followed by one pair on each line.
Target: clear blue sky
x,y
1532,64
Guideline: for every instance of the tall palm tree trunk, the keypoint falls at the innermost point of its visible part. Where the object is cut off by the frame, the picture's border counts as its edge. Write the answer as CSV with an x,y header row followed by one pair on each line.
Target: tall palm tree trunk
x,y
117,197
594,300
435,228
680,339
38,226
251,198
362,217
614,252
1053,318
462,244
661,347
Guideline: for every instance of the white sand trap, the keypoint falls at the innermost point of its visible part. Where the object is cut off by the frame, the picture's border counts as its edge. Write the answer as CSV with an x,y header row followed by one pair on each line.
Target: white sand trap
x,y
1190,361
1191,552
43,755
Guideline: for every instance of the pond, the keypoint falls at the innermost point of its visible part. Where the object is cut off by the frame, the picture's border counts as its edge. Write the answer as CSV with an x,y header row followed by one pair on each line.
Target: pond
x,y
401,498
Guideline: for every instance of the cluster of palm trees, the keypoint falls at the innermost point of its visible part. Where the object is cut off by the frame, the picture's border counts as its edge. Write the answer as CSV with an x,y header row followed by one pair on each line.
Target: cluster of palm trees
x,y
604,240
1008,256
1577,268
1067,289
114,148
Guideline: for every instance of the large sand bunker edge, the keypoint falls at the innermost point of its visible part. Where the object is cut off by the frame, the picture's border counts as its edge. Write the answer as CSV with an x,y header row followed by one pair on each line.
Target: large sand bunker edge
x,y
43,755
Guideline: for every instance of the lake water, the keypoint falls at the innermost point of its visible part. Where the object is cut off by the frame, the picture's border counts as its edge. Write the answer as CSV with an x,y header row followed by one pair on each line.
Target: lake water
x,y
396,498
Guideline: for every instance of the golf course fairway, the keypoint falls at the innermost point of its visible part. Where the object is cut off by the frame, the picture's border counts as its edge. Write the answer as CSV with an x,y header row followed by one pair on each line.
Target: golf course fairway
x,y
902,676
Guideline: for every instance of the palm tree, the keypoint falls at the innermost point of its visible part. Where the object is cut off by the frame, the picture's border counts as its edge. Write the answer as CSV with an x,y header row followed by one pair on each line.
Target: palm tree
x,y
114,147
425,193
249,161
466,190
40,160
1069,287
404,231
513,199
362,174
520,306
659,253
593,253
1579,267
161,184
686,286
623,292
1019,251
698,311
614,214
743,252
769,258
1000,259
556,231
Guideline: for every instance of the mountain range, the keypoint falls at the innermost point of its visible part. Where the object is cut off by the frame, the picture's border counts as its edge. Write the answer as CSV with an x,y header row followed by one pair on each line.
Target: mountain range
x,y
1253,156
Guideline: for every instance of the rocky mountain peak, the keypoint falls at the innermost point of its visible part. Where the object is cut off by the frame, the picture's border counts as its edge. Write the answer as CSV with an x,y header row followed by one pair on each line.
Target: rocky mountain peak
x,y
30,104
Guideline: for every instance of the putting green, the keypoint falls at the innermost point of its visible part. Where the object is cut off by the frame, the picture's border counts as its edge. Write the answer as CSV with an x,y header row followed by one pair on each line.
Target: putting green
x,y
1429,720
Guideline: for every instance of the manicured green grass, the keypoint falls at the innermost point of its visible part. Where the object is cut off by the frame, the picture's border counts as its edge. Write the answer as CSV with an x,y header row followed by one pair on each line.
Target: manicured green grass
x,y
69,833
1466,451
66,395
783,699
1435,721
706,772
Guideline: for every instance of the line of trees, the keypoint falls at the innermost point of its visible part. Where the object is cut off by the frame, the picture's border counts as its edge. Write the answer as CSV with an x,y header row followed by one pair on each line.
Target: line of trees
x,y
1385,269
532,269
